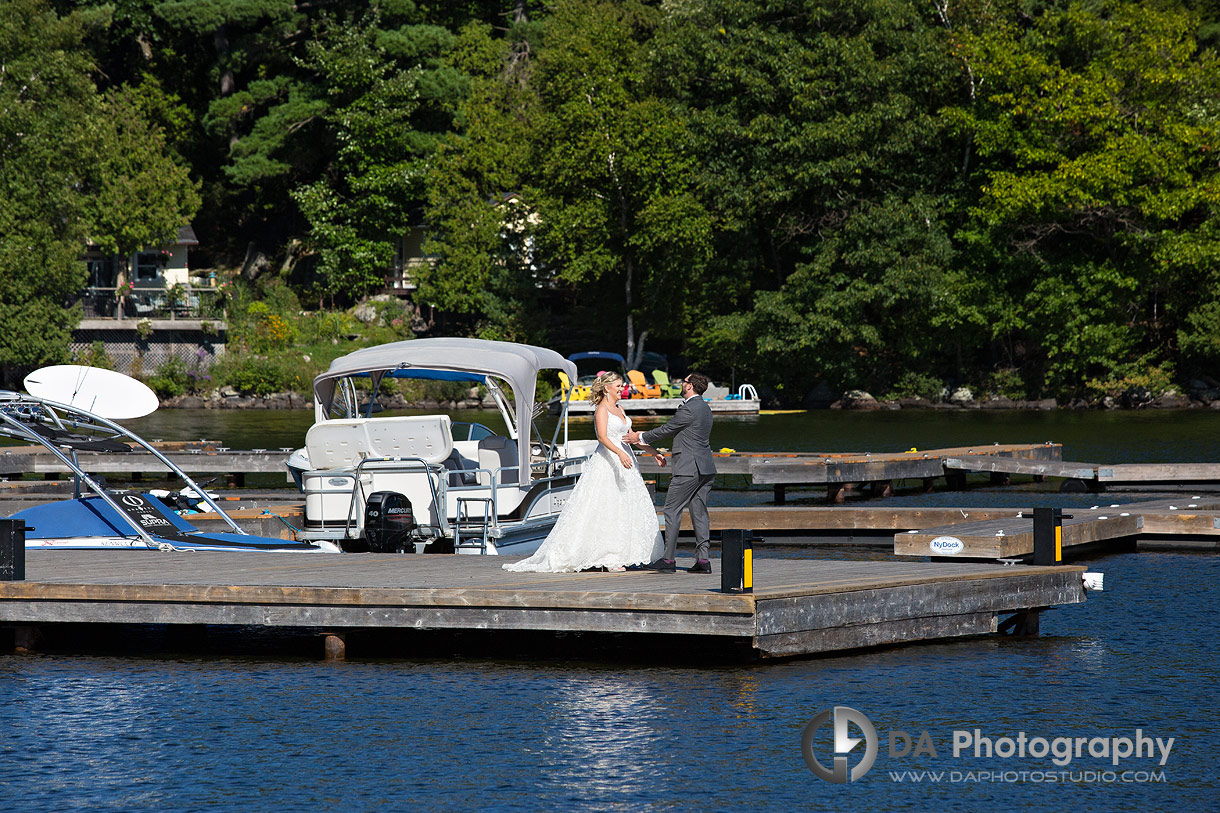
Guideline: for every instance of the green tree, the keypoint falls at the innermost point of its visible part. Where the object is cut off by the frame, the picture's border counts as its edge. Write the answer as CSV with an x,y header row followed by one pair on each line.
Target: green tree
x,y
832,181
481,229
46,103
76,166
599,175
138,195
1096,130
287,123
359,206
615,180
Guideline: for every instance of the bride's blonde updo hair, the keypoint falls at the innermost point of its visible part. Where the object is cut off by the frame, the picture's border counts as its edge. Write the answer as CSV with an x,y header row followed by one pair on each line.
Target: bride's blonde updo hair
x,y
597,393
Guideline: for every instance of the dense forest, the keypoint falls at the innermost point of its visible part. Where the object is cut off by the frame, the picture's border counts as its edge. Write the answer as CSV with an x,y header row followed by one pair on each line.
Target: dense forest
x,y
1022,196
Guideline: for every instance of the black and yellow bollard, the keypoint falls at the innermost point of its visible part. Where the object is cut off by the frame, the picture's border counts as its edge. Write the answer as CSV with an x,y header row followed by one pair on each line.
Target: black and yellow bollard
x,y
12,550
736,561
1048,536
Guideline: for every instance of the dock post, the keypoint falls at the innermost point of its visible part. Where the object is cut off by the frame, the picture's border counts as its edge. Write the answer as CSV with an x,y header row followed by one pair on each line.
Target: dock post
x,y
12,550
736,561
335,646
1048,536
780,494
27,639
1022,622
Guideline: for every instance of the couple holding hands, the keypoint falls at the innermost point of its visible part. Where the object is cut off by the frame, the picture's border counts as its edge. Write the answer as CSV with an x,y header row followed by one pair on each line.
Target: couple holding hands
x,y
609,522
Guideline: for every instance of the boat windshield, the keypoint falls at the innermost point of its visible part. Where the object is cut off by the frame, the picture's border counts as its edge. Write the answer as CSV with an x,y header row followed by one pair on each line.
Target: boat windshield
x,y
468,430
368,396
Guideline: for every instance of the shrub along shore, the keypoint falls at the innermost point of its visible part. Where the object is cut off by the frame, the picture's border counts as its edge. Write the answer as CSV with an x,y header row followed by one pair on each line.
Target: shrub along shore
x,y
229,398
275,349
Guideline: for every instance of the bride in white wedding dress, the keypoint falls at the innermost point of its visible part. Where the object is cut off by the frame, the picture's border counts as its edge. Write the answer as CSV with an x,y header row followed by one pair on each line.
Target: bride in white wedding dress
x,y
609,520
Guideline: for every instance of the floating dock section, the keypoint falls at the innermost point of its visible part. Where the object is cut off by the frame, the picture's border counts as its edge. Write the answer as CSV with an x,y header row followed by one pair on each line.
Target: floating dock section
x,y
798,607
840,472
989,536
836,471
1094,476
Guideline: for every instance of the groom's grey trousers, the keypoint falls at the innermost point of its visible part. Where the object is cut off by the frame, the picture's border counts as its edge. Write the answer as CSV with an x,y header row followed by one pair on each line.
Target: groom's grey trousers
x,y
688,491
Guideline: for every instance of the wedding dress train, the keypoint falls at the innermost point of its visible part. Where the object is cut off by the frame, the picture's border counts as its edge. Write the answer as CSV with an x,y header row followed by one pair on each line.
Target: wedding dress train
x,y
608,521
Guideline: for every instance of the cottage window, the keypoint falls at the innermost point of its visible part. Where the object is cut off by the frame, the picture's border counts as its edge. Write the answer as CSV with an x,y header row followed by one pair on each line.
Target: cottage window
x,y
147,265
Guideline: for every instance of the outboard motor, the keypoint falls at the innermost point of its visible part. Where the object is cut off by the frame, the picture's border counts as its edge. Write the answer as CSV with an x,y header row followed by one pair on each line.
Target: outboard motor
x,y
388,522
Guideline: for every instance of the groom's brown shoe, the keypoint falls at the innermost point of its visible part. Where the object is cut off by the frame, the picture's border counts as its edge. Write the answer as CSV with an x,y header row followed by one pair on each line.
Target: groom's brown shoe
x,y
701,566
663,566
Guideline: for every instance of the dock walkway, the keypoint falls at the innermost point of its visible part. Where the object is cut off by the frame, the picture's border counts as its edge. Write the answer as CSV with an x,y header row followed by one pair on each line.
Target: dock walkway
x,y
995,537
799,606
837,471
1094,475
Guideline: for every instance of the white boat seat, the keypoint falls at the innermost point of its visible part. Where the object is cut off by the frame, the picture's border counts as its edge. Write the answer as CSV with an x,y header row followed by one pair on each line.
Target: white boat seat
x,y
343,443
499,452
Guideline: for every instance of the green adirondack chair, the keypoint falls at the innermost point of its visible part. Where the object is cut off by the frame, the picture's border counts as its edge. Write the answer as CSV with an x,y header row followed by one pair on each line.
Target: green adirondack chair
x,y
668,390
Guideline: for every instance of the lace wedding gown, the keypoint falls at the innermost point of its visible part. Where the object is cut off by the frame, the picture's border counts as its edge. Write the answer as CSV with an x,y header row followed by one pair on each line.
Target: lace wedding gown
x,y
608,521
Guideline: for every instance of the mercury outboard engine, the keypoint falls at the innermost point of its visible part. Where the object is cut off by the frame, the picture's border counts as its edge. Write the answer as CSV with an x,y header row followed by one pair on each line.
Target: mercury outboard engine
x,y
388,522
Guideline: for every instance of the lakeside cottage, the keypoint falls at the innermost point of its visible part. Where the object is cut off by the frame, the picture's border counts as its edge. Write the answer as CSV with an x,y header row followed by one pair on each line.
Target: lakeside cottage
x,y
144,309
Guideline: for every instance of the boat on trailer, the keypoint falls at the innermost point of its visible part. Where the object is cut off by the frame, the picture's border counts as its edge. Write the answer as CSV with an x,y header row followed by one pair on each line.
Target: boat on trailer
x,y
406,483
100,517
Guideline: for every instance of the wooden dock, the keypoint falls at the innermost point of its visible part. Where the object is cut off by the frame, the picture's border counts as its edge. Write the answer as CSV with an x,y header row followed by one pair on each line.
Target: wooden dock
x,y
799,606
837,471
841,473
1095,476
992,537
878,471
1010,538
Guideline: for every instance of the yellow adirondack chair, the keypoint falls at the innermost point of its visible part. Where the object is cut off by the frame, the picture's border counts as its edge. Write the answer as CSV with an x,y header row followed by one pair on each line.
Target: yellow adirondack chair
x,y
580,392
668,389
640,386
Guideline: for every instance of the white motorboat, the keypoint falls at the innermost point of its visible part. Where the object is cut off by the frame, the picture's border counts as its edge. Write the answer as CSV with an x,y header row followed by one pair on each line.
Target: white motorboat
x,y
97,516
406,483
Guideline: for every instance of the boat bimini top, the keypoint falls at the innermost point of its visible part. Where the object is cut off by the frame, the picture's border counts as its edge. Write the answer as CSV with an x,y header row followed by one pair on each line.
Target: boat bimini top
x,y
448,359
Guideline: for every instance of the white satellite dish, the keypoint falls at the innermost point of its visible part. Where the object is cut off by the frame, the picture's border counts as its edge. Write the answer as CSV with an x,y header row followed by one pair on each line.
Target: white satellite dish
x,y
103,392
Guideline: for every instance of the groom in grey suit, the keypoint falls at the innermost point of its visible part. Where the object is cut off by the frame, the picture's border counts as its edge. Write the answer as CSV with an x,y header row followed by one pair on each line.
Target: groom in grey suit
x,y
694,471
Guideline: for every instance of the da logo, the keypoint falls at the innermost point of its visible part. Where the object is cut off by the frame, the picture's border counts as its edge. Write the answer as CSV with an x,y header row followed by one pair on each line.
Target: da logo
x,y
841,717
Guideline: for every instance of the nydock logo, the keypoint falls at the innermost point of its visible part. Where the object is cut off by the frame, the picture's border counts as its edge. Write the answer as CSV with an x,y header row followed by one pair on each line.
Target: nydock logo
x,y
841,717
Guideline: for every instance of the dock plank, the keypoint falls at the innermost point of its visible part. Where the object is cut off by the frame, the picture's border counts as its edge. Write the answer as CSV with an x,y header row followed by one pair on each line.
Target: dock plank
x,y
1016,465
798,607
1159,473
763,468
997,539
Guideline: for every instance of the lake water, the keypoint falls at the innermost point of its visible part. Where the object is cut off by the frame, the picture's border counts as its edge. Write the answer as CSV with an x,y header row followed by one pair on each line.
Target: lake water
x,y
457,733
1152,436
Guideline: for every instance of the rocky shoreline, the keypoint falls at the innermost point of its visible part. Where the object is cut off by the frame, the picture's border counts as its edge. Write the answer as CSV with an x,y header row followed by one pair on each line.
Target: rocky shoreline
x,y
1201,397
229,398
1169,399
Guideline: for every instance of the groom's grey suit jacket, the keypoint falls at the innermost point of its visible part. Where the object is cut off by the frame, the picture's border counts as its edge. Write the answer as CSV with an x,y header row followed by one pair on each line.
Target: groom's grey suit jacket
x,y
691,429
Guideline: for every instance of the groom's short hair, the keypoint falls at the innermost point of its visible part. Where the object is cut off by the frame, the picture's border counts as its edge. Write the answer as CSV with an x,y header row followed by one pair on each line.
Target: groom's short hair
x,y
699,381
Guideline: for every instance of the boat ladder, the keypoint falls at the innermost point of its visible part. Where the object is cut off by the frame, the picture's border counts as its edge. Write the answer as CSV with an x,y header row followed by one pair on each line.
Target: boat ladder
x,y
477,526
